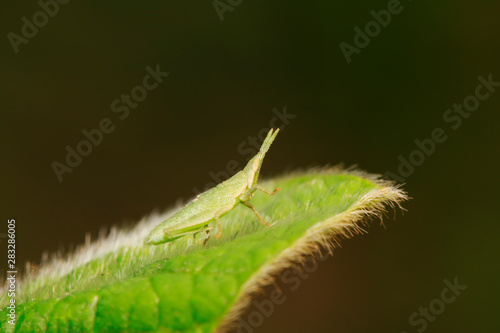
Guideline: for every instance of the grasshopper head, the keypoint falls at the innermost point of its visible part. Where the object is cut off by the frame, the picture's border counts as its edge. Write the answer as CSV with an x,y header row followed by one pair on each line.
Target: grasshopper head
x,y
252,169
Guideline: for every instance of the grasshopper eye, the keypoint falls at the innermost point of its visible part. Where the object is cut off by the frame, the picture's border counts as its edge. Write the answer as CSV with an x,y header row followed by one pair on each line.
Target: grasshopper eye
x,y
256,164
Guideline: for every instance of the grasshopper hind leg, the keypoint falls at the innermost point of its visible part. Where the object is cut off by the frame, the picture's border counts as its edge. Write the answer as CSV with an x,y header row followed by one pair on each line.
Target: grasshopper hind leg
x,y
203,235
217,217
219,227
208,237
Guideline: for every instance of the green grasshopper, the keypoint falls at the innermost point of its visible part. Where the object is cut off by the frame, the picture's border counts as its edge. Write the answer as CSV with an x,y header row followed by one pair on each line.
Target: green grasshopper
x,y
210,205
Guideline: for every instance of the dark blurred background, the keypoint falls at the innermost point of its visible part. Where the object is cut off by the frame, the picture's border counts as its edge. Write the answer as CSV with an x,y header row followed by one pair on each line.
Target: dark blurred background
x,y
226,78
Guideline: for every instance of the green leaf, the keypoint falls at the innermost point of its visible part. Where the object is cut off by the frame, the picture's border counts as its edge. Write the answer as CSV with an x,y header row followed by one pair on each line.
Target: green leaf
x,y
118,284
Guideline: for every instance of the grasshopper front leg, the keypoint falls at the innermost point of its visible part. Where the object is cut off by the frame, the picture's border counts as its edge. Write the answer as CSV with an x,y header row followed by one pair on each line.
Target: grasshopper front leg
x,y
266,191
